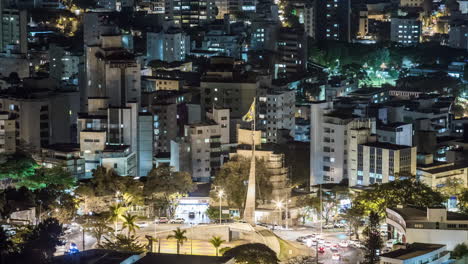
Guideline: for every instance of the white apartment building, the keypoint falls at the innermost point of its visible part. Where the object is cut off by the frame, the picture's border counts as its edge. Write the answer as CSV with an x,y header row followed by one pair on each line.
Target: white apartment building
x,y
199,151
379,162
171,45
427,225
279,114
112,72
331,141
397,133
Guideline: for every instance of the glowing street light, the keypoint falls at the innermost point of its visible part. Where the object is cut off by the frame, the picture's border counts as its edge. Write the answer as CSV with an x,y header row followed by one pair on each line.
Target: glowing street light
x,y
220,195
279,206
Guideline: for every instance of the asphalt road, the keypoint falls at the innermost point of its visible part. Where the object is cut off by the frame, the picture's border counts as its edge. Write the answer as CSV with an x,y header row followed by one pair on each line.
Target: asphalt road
x,y
347,255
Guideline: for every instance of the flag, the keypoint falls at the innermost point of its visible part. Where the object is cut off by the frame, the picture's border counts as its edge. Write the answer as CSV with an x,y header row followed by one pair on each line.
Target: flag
x,y
249,117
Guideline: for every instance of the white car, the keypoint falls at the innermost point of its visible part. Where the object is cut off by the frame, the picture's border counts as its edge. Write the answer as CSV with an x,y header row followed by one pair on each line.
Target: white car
x,y
177,221
327,244
343,244
142,224
336,256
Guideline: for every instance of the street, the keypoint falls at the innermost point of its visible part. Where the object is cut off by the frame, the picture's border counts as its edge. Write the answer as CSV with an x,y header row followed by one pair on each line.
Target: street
x,y
200,247
334,236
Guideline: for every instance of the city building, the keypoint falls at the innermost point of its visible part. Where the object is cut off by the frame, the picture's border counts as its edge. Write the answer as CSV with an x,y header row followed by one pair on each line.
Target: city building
x,y
405,30
278,114
7,133
292,52
64,63
427,225
382,162
112,73
170,45
65,155
334,139
225,87
411,3
13,30
188,14
417,253
436,174
264,35
458,35
334,20
398,133
198,151
373,95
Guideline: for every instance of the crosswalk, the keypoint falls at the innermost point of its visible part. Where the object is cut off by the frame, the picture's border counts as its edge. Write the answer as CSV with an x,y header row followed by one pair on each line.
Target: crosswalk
x,y
189,247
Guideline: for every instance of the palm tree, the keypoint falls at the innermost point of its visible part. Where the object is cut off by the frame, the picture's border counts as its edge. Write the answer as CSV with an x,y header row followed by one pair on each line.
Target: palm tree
x,y
116,211
178,235
129,223
216,241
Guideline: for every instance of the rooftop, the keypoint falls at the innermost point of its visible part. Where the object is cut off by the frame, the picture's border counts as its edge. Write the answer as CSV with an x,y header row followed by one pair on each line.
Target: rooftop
x,y
440,169
412,251
420,213
64,147
383,145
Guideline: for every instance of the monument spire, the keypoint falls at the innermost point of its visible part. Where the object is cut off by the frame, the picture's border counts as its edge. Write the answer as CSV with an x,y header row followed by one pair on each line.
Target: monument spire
x,y
249,211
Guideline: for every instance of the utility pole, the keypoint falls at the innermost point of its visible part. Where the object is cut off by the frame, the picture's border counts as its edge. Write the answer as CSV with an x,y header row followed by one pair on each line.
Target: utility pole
x,y
83,238
321,208
316,252
287,212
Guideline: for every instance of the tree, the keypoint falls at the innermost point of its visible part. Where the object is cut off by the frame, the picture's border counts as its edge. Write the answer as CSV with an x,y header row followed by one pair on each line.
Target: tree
x,y
164,187
353,217
129,223
115,214
254,253
307,204
459,251
56,176
373,241
6,245
41,243
16,167
178,235
451,187
97,226
123,244
399,192
216,241
463,201
105,188
301,260
233,176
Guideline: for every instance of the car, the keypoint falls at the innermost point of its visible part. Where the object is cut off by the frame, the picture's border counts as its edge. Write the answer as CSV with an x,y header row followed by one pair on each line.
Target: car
x,y
321,250
321,241
142,224
336,256
339,225
329,226
343,244
334,248
191,215
177,221
301,239
310,243
161,220
327,244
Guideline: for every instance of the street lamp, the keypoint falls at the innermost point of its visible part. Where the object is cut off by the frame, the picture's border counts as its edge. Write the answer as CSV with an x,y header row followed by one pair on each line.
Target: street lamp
x,y
279,205
220,195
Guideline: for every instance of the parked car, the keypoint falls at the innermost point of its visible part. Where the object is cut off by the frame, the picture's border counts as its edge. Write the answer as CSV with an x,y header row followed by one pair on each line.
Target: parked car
x,y
177,221
161,220
191,215
329,226
327,244
142,224
321,250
